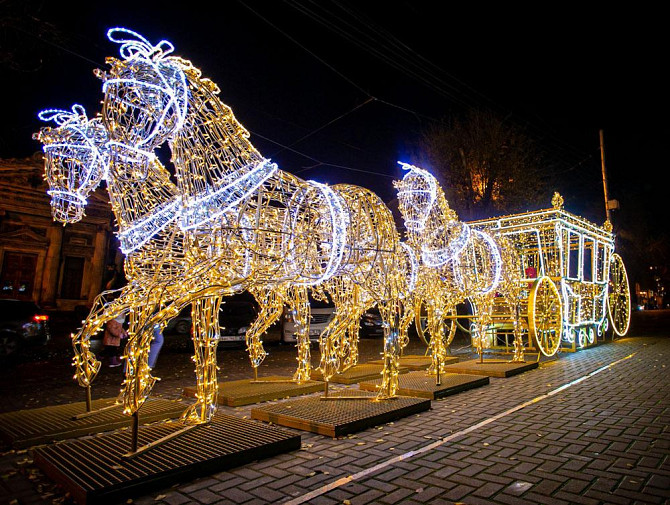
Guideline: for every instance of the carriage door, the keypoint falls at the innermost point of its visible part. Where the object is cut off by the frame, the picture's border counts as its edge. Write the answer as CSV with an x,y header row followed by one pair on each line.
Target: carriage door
x,y
589,288
572,247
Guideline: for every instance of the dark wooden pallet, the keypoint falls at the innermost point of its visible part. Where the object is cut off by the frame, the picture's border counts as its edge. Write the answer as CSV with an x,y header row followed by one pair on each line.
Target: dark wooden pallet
x,y
248,391
93,470
356,374
25,428
416,361
422,385
491,368
338,417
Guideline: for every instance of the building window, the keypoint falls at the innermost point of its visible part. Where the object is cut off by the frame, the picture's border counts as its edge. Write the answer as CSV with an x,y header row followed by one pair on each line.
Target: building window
x,y
18,275
73,273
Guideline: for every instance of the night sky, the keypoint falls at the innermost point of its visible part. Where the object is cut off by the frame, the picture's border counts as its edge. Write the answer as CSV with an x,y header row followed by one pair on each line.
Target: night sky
x,y
338,91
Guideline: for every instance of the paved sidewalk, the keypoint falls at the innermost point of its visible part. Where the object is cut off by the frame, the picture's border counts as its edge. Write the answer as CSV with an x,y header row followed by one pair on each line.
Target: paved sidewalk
x,y
590,427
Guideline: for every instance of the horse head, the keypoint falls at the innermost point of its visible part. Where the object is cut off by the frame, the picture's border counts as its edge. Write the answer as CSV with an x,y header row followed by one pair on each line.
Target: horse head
x,y
417,193
145,92
75,161
428,218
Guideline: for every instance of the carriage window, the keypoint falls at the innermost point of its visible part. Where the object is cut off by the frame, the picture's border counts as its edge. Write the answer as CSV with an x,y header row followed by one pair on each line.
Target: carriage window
x,y
573,255
599,263
587,258
528,244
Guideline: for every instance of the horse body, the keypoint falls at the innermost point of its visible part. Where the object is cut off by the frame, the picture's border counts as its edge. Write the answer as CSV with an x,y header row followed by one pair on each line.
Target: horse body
x,y
305,233
457,264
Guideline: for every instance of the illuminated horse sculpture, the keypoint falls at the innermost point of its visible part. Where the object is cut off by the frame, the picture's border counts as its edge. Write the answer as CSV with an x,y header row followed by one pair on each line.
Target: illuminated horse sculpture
x,y
77,160
304,234
161,277
457,264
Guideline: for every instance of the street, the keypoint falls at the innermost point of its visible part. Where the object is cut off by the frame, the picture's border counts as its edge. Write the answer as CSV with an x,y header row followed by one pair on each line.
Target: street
x,y
588,427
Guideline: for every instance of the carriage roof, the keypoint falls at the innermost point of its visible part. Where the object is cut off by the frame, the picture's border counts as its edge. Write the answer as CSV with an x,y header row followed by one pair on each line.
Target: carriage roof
x,y
546,219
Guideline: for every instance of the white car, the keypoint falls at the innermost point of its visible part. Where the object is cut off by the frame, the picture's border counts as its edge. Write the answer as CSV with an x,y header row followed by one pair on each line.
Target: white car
x,y
321,315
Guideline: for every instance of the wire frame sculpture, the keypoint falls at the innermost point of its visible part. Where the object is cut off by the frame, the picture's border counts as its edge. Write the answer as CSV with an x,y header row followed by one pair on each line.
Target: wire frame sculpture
x,y
158,271
304,233
232,222
457,264
573,276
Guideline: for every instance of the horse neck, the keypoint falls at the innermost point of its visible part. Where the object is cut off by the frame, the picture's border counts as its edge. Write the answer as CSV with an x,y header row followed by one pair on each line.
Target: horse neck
x,y
138,184
441,212
437,219
212,148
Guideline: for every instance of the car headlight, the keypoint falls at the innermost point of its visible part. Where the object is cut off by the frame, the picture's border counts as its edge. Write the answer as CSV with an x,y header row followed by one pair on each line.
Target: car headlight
x,y
242,330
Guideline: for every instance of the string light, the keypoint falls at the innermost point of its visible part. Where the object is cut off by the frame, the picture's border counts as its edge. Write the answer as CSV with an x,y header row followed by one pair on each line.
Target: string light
x,y
233,221
557,247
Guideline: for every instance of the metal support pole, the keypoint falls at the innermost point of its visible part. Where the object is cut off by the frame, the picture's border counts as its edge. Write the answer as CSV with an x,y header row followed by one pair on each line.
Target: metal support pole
x,y
88,398
602,162
135,432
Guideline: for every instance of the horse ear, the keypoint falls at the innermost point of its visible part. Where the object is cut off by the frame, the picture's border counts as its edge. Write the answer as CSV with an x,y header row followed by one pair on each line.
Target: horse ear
x,y
100,74
57,115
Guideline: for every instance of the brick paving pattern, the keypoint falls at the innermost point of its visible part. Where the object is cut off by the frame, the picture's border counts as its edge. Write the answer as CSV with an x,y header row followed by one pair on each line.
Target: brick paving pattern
x,y
603,439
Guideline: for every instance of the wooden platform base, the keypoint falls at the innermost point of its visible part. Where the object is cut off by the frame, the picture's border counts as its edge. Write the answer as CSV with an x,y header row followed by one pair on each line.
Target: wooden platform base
x,y
338,417
490,368
356,374
422,385
93,470
416,361
25,428
249,391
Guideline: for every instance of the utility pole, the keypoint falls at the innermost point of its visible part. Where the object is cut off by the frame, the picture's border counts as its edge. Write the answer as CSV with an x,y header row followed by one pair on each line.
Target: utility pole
x,y
602,159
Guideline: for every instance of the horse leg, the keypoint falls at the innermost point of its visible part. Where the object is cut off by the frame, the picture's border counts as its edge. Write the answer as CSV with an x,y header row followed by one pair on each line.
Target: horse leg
x,y
405,322
299,306
349,345
437,346
85,362
390,312
331,341
205,317
350,309
139,381
271,304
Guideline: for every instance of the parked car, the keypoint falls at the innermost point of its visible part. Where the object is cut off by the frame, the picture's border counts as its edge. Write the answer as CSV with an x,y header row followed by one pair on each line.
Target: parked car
x,y
181,323
321,314
371,324
236,314
22,324
235,317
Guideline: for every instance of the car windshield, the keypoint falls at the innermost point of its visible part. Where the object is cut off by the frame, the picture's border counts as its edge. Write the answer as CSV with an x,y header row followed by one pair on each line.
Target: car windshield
x,y
234,312
17,309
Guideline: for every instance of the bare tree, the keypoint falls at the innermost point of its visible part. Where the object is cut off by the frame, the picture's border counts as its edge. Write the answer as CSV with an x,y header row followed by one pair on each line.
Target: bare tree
x,y
488,165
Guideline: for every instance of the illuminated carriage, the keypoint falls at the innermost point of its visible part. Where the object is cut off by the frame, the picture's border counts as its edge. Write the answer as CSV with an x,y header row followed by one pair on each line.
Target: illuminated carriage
x,y
572,283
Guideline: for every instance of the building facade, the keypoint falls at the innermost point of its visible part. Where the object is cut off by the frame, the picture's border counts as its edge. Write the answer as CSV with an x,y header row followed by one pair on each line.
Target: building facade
x,y
58,267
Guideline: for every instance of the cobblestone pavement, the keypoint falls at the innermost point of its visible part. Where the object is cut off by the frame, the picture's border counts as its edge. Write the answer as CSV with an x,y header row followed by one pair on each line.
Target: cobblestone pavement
x,y
590,427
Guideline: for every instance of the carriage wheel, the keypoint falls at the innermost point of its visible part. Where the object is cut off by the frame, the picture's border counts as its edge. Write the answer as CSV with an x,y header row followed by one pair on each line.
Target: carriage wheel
x,y
618,297
590,335
545,315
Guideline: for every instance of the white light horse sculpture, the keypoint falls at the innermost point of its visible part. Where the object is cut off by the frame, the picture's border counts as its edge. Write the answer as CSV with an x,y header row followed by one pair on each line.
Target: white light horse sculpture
x,y
457,264
304,234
